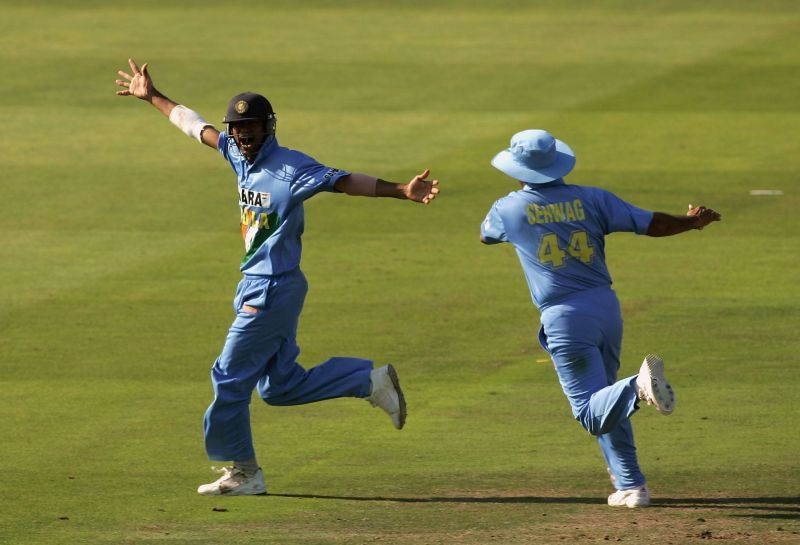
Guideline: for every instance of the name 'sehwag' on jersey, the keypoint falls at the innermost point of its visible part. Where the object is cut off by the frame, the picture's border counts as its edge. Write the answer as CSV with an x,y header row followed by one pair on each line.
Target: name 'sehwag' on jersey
x,y
556,212
248,197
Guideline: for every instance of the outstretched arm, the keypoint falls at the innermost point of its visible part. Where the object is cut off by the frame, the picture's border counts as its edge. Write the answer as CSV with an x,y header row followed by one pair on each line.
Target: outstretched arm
x,y
139,84
418,189
665,225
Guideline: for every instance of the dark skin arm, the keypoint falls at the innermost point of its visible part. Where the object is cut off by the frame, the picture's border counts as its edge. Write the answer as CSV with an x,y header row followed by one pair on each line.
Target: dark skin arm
x,y
419,189
139,84
665,225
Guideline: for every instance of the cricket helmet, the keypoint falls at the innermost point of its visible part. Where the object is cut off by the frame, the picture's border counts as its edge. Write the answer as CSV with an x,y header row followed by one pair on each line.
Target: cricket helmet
x,y
248,107
535,157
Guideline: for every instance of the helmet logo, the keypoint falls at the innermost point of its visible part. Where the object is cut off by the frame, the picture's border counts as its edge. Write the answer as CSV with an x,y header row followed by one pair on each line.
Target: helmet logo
x,y
241,107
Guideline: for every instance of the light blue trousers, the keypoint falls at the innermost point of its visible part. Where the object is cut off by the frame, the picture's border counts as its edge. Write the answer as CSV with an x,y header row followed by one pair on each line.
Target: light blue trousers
x,y
583,335
260,352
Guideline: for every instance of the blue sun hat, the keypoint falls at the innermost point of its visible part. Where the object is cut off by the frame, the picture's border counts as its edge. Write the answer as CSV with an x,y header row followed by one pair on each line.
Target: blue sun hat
x,y
535,157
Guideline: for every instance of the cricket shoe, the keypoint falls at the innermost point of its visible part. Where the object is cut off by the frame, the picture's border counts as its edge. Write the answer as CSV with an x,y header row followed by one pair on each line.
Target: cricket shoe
x,y
234,482
635,497
651,386
387,395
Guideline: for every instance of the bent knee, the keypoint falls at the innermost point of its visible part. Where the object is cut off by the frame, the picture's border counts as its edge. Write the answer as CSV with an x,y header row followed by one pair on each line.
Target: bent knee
x,y
588,421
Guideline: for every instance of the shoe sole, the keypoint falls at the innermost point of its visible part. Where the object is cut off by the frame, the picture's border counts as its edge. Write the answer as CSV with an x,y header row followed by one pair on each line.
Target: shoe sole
x,y
234,492
630,506
663,395
400,397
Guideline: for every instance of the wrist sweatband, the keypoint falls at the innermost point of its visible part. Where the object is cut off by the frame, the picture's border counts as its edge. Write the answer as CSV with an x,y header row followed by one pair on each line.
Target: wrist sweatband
x,y
189,121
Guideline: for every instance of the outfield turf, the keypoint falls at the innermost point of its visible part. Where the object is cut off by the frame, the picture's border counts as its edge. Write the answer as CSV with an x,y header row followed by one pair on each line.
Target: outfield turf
x,y
119,248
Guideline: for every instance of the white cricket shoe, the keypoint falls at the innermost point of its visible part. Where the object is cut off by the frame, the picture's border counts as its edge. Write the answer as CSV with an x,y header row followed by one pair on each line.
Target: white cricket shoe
x,y
635,497
234,482
651,386
387,395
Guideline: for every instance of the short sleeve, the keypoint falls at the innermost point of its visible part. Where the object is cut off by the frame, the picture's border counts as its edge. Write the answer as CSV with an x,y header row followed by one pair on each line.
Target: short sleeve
x,y
493,231
622,216
311,177
224,145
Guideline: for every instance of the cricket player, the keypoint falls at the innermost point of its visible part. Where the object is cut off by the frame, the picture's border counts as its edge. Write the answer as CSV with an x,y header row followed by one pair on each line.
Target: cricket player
x,y
558,232
260,350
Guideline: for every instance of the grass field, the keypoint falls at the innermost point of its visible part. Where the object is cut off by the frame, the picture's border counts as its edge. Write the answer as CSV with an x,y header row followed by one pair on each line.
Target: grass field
x,y
119,249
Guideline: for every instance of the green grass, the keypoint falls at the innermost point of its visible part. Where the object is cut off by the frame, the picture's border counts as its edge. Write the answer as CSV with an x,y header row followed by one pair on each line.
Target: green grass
x,y
119,248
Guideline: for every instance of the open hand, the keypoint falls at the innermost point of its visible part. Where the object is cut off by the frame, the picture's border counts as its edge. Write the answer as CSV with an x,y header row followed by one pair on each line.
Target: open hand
x,y
138,84
421,190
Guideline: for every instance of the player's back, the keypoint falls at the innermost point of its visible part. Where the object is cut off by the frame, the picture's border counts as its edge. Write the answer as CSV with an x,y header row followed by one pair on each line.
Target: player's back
x,y
558,231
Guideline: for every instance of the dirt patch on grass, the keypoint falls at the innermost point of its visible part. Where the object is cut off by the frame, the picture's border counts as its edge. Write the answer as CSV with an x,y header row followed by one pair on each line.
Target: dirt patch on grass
x,y
509,517
526,516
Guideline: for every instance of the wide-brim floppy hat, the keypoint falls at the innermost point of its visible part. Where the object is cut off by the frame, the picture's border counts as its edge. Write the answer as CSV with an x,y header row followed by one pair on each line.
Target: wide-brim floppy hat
x,y
535,157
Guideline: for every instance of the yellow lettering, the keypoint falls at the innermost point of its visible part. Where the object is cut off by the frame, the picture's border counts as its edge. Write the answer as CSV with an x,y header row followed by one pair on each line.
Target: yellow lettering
x,y
248,217
549,252
548,216
579,246
263,220
555,212
570,212
539,214
530,211
579,209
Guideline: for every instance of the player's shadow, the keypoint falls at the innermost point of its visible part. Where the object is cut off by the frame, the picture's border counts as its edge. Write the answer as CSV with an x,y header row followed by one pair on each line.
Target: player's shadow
x,y
771,507
777,507
449,499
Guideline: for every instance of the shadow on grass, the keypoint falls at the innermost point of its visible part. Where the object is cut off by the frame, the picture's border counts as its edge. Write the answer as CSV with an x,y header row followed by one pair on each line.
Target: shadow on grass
x,y
785,508
454,499
767,502
781,507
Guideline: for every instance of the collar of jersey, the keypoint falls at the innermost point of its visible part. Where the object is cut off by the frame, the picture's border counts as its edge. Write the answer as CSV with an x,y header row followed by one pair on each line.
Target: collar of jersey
x,y
536,187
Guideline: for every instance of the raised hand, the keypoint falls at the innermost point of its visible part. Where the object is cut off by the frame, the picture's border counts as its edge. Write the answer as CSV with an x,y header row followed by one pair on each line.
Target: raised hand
x,y
138,84
421,190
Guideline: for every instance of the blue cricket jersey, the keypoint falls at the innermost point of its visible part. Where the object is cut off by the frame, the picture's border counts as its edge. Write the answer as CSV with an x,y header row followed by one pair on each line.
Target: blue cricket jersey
x,y
271,194
558,231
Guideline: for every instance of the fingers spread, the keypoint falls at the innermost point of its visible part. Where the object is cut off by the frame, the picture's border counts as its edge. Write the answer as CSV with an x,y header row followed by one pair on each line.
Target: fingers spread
x,y
424,174
123,93
144,70
123,83
124,75
133,66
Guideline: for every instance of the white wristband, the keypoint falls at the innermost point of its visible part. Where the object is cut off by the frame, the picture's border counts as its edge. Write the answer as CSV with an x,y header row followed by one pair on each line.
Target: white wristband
x,y
189,121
